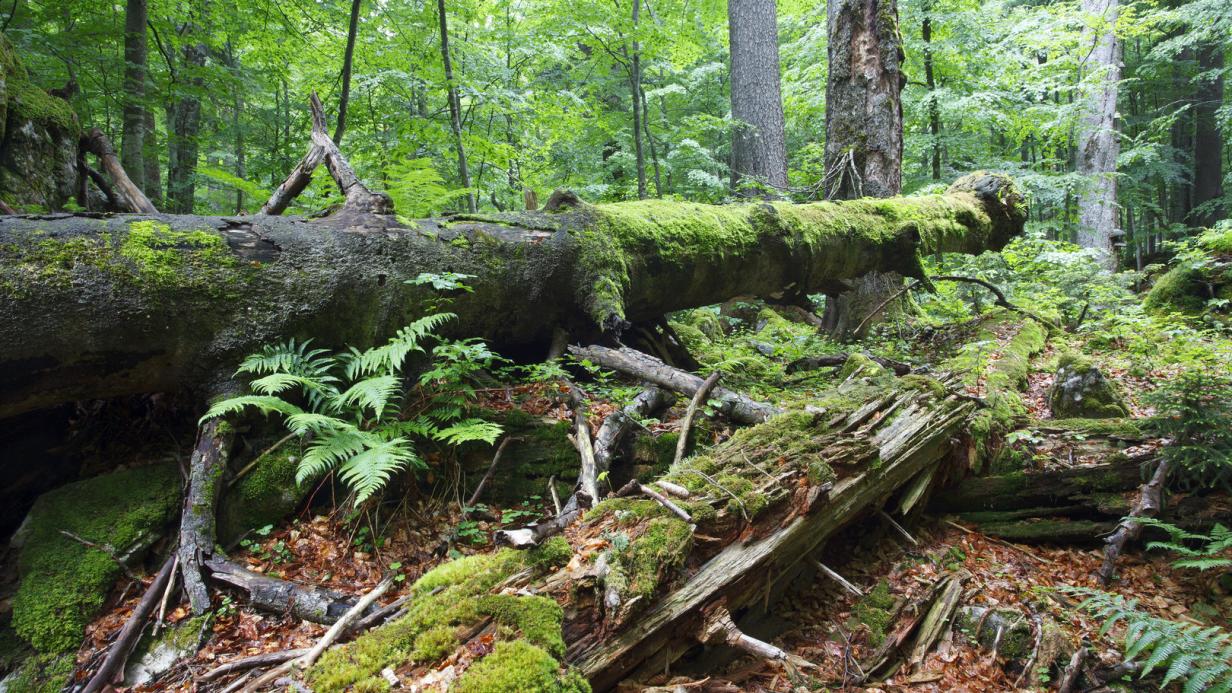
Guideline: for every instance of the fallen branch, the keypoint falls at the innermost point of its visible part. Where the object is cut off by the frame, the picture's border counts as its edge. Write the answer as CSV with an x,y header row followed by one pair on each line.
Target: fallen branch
x,y
1150,502
131,632
127,192
588,478
5,209
682,443
102,548
534,534
635,486
720,628
308,603
842,581
1073,670
810,363
253,662
198,529
616,426
631,362
470,503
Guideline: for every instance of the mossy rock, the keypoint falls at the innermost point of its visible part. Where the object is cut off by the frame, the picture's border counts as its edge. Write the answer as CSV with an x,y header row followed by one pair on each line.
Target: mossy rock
x,y
154,656
262,497
539,450
38,163
40,674
64,583
861,366
1081,391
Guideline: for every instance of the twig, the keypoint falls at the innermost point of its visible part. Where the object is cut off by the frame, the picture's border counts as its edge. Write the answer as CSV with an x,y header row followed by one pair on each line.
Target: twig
x,y
675,489
711,480
635,486
111,553
555,495
162,605
488,476
124,642
687,423
842,581
252,662
905,534
1072,671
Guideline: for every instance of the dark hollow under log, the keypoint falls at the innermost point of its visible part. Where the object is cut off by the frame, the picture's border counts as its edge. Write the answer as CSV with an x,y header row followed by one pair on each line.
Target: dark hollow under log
x,y
103,306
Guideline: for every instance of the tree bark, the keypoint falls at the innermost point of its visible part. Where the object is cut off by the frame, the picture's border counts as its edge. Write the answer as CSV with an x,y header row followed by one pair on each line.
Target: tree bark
x,y
1098,146
185,127
132,139
101,307
864,132
864,114
759,148
1208,140
347,62
930,82
455,109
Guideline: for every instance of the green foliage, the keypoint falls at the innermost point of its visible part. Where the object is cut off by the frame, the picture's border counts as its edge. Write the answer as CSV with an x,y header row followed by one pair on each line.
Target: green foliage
x,y
1213,551
1194,410
1200,656
349,405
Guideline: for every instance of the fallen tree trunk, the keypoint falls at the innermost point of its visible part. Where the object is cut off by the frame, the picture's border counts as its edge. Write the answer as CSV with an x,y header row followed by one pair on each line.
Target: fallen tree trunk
x,y
1081,505
96,307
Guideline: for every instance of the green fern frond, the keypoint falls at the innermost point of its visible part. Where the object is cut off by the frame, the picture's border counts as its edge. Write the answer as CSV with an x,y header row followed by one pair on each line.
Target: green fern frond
x,y
332,449
290,357
1200,655
263,403
312,422
369,471
469,430
372,393
390,357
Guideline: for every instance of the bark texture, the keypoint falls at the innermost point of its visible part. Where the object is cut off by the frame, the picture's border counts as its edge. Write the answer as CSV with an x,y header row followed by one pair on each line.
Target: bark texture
x,y
95,307
1208,141
759,147
864,113
1098,146
132,140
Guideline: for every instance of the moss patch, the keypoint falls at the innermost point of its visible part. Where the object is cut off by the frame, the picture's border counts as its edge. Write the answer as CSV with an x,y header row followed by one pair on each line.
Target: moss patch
x,y
643,566
445,603
43,674
876,611
64,583
28,102
263,496
516,666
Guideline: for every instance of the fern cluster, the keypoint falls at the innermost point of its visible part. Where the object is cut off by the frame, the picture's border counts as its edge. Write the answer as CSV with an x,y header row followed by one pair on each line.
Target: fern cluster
x,y
1201,656
1215,550
351,406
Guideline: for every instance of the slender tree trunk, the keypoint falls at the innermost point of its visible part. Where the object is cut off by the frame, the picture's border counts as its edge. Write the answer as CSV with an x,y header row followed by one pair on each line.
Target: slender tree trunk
x,y
930,81
153,171
347,63
635,89
185,129
1098,146
654,154
455,109
864,132
1208,141
759,147
132,142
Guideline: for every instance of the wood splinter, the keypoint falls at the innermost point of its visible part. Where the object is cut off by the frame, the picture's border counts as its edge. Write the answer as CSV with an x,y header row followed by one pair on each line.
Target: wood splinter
x,y
842,581
635,486
720,628
898,528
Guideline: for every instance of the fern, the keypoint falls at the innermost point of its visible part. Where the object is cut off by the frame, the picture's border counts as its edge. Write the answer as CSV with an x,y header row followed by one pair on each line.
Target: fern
x,y
1201,656
1213,553
355,424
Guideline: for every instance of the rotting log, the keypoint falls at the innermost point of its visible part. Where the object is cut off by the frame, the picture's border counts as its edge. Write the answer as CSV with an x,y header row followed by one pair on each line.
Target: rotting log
x,y
303,602
101,306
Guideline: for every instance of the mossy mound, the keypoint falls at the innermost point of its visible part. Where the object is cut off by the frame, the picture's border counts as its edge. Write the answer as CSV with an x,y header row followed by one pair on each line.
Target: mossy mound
x,y
38,167
450,601
1202,275
63,582
262,497
1081,391
876,612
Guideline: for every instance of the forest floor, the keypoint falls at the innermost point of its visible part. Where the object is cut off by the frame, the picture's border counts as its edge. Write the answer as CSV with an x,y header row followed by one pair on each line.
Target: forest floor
x,y
817,620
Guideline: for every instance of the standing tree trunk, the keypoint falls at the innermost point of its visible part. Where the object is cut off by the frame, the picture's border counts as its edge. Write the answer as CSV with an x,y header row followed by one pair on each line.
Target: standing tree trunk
x,y
635,89
759,147
153,172
1208,142
455,110
185,128
1098,146
347,62
864,132
132,143
930,81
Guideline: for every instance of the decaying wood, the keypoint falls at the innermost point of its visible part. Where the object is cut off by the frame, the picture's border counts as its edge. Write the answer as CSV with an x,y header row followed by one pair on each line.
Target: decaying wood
x,y
588,477
648,368
198,521
244,664
304,602
214,289
686,423
1150,502
810,363
127,193
615,429
635,487
835,576
113,664
1073,670
909,436
359,199
720,628
534,534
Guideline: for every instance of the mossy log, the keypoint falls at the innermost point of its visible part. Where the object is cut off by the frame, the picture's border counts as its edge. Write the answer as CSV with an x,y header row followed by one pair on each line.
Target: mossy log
x,y
102,306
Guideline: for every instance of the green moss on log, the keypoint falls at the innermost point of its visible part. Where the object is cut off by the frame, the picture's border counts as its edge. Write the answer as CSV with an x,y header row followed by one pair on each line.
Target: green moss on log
x,y
63,582
516,666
